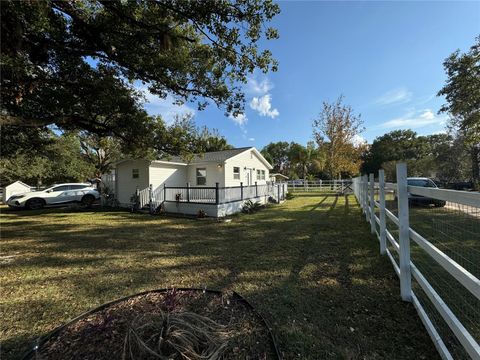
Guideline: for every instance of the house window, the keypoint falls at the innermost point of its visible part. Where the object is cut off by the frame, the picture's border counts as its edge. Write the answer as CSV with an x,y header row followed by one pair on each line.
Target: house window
x,y
201,176
236,173
135,173
260,174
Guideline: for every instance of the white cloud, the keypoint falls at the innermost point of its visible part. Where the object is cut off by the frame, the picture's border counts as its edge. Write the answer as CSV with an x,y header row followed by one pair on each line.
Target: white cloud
x,y
415,119
240,119
259,87
395,96
263,106
358,140
166,108
251,139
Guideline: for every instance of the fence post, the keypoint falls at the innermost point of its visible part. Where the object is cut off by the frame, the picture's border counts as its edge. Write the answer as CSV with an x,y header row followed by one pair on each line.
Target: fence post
x,y
372,204
241,190
150,197
188,192
404,235
383,213
216,193
256,189
320,185
365,200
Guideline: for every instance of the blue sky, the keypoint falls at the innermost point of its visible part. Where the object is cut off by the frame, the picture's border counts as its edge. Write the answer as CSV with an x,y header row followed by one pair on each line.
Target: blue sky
x,y
384,57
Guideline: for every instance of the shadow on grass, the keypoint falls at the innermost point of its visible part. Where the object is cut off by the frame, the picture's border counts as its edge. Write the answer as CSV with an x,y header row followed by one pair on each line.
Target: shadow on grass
x,y
315,273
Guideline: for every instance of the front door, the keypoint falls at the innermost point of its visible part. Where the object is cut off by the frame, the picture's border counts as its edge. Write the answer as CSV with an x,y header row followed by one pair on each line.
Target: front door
x,y
247,177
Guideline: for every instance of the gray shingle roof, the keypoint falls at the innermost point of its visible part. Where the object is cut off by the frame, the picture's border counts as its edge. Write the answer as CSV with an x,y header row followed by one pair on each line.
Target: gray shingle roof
x,y
218,156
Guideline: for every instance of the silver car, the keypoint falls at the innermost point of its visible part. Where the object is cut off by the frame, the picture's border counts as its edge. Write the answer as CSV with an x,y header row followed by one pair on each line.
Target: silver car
x,y
423,200
55,195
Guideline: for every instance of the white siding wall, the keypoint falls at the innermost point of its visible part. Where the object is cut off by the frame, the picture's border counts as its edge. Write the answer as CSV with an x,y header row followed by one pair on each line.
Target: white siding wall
x,y
171,175
247,159
126,184
214,174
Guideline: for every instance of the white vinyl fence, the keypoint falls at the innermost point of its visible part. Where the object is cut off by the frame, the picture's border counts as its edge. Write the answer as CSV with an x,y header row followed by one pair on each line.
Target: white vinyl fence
x,y
435,251
337,186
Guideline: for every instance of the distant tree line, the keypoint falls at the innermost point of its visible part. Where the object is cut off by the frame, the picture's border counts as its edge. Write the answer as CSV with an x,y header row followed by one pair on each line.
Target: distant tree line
x,y
441,156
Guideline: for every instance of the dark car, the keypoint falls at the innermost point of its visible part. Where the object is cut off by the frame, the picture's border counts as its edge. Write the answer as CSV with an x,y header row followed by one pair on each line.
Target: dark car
x,y
423,200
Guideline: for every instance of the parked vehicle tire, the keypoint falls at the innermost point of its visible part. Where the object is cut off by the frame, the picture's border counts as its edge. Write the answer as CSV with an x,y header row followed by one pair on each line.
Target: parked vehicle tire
x,y
35,204
88,200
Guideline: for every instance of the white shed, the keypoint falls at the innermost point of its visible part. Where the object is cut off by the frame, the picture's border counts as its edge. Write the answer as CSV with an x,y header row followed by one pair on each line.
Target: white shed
x,y
15,188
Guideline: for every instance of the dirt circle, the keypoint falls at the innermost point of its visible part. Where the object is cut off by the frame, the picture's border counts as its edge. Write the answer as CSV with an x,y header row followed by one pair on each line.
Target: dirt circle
x,y
169,324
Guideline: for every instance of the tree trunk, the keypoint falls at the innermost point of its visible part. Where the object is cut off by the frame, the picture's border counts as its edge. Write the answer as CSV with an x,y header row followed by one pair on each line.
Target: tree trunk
x,y
475,154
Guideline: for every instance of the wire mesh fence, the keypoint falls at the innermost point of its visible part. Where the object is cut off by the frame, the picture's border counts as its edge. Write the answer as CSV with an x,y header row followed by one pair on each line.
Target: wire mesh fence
x,y
444,241
454,229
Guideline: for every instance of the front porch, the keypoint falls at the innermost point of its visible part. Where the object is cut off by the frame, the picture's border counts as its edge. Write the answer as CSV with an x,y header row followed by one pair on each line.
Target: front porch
x,y
214,201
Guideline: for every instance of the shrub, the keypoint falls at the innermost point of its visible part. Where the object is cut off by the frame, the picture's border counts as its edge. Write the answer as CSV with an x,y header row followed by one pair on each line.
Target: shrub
x,y
289,196
201,214
250,207
175,335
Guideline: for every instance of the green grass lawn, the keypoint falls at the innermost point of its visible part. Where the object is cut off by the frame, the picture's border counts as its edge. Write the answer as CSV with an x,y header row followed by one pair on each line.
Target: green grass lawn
x,y
310,266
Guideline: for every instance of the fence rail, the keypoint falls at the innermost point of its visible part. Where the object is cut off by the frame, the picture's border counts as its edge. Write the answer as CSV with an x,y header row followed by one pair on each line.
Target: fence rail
x,y
338,186
208,195
460,312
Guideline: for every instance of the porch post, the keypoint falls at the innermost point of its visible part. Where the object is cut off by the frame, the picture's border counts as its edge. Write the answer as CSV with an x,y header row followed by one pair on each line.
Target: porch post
x,y
216,193
278,193
150,196
256,189
164,192
137,199
188,192
241,190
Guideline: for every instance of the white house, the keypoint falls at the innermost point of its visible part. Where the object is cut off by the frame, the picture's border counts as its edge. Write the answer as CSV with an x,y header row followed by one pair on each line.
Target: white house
x,y
15,188
214,178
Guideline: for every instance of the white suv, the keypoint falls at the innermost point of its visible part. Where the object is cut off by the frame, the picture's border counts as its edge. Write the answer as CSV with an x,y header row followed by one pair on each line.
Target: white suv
x,y
55,195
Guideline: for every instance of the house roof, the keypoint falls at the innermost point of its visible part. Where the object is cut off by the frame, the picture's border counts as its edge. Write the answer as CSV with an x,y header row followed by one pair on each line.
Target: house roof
x,y
217,156
279,175
213,156
19,182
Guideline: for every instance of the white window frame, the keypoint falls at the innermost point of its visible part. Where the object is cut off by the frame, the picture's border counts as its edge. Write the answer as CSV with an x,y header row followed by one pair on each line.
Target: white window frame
x,y
204,177
236,175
